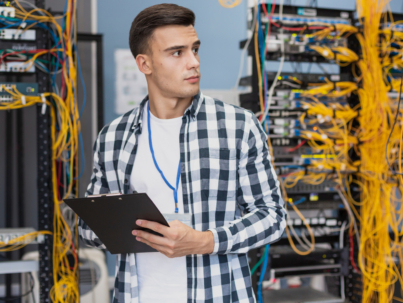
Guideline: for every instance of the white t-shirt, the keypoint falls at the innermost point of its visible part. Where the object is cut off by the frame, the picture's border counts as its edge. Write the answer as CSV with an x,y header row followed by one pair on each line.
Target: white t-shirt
x,y
160,278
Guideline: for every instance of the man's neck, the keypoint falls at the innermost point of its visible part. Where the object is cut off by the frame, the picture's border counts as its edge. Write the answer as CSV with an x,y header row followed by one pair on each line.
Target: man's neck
x,y
168,108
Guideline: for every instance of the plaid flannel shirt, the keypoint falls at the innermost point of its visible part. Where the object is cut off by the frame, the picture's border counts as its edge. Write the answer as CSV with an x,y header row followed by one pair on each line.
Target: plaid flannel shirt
x,y
225,172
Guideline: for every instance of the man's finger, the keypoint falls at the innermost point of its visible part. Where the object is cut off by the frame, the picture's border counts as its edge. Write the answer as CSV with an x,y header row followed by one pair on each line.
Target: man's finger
x,y
159,228
150,237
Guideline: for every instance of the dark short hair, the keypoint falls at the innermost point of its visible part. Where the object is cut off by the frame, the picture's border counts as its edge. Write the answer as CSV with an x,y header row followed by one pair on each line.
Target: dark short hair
x,y
155,16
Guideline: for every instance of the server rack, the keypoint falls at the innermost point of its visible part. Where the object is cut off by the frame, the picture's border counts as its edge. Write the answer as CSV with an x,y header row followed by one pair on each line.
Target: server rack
x,y
43,177
45,206
285,262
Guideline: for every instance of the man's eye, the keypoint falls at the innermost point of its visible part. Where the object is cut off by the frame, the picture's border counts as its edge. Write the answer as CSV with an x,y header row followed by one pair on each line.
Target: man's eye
x,y
195,50
177,53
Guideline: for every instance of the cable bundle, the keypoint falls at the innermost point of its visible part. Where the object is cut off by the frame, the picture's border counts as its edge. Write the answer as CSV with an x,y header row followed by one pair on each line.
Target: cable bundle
x,y
372,129
342,55
338,29
379,208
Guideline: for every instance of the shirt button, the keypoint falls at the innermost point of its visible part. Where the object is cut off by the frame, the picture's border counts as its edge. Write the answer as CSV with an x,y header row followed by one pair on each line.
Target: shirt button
x,y
126,181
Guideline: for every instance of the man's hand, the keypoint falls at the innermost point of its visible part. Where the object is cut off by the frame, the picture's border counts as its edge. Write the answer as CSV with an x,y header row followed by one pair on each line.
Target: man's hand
x,y
178,240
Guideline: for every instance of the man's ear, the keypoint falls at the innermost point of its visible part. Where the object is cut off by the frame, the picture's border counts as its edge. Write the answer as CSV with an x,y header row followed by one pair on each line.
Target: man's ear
x,y
143,63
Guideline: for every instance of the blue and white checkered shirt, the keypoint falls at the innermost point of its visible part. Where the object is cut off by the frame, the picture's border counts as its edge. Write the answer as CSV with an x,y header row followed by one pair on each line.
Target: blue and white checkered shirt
x,y
225,172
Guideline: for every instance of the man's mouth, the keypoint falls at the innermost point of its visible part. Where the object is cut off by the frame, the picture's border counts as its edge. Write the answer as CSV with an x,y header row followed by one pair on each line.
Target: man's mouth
x,y
193,79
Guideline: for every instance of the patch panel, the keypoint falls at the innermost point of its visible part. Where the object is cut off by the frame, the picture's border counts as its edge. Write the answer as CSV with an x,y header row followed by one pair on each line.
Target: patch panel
x,y
8,234
289,142
294,161
278,103
7,11
17,45
308,188
292,101
292,19
16,67
323,201
28,89
315,222
285,151
285,114
299,43
14,34
284,104
398,27
281,132
309,78
285,122
274,131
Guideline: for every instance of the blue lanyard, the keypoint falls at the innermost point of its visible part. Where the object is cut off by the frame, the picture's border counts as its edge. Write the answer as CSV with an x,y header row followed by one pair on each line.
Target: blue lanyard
x,y
150,141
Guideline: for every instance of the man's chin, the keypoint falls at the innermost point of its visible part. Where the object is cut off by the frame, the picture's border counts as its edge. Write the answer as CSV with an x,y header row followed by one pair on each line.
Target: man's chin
x,y
192,91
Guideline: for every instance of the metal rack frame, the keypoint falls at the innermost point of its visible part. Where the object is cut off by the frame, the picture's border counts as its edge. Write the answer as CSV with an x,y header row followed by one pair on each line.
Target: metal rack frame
x,y
44,175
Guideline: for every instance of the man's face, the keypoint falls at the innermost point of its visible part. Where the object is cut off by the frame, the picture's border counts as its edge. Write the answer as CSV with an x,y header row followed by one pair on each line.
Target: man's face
x,y
175,61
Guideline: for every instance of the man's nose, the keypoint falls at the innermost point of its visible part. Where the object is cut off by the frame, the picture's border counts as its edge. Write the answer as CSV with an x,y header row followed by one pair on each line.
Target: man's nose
x,y
193,61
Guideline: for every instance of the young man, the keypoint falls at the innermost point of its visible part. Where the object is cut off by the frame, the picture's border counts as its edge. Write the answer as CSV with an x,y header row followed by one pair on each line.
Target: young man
x,y
194,156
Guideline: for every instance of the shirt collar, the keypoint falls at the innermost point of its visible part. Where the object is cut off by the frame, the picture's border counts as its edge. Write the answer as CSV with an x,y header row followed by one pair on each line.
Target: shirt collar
x,y
192,110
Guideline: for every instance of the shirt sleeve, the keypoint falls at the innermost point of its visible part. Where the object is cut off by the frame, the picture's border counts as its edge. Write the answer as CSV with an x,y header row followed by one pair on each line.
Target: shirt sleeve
x,y
258,194
98,185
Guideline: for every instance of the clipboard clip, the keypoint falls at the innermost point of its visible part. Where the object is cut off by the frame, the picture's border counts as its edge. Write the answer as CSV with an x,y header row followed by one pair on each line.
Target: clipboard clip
x,y
103,195
108,195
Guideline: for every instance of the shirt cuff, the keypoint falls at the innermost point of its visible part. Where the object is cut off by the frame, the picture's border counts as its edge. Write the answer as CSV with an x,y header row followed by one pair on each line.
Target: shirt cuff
x,y
222,240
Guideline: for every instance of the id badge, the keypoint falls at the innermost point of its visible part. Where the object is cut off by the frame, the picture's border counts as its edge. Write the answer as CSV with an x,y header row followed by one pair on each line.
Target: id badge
x,y
184,218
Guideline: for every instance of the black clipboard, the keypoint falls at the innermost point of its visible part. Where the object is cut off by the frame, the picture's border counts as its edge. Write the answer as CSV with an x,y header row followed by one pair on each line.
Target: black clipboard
x,y
112,217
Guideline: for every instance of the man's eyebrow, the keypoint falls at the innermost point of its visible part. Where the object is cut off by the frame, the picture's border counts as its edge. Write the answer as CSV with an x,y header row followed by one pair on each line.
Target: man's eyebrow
x,y
179,47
